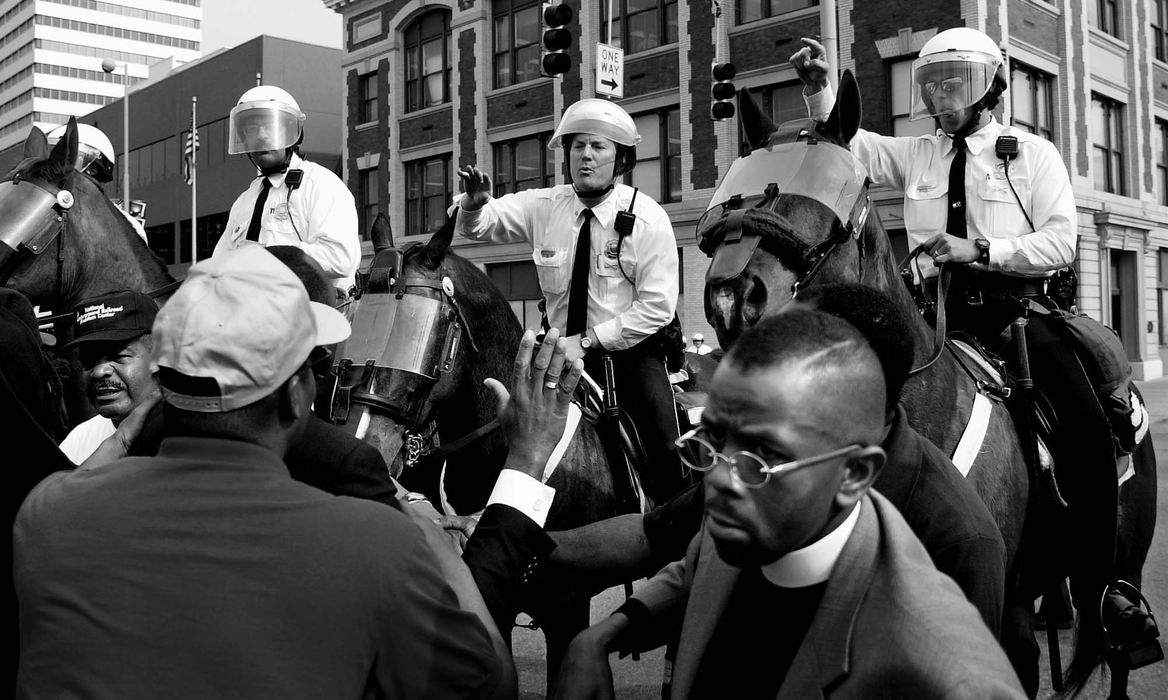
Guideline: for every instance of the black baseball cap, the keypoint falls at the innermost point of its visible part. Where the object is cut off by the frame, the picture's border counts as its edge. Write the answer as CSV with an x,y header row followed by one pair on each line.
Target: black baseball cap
x,y
113,317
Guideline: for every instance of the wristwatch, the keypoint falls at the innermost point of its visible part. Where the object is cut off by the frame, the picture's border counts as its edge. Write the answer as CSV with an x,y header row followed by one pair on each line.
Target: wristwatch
x,y
983,250
586,341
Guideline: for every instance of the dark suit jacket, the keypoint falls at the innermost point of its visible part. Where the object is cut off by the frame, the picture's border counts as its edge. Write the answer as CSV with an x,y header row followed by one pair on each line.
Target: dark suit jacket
x,y
940,505
505,542
889,624
325,457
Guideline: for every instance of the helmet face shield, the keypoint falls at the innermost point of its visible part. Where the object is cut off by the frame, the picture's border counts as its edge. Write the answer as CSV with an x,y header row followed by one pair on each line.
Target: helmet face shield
x,y
949,82
93,162
263,126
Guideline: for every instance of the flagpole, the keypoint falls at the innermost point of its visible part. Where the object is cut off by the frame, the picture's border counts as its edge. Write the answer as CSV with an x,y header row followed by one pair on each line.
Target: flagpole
x,y
194,184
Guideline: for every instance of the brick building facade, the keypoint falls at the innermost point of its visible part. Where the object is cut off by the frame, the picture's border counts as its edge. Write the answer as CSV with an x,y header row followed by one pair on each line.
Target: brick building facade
x,y
432,86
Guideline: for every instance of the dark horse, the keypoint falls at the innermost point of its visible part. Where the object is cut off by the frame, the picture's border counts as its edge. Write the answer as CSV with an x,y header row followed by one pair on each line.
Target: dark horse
x,y
442,306
817,247
91,248
64,241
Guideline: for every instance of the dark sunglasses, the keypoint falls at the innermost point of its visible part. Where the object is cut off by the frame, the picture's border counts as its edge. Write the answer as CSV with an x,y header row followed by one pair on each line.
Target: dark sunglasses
x,y
320,361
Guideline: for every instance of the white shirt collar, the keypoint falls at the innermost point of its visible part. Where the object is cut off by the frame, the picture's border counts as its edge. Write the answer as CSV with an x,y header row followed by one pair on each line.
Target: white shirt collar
x,y
814,563
278,179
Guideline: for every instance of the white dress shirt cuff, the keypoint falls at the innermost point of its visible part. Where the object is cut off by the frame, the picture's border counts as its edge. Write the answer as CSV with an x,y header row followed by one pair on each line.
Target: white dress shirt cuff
x,y
524,494
819,105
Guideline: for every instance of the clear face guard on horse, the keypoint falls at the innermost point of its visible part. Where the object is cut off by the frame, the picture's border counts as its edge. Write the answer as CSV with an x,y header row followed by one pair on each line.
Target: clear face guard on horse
x,y
795,162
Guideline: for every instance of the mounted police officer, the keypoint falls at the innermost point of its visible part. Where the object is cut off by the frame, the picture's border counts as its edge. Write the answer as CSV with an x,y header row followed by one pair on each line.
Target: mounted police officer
x,y
996,202
293,202
606,257
95,158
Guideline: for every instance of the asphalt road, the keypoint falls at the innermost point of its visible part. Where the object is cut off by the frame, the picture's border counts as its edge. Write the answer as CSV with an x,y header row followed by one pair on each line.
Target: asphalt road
x,y
641,680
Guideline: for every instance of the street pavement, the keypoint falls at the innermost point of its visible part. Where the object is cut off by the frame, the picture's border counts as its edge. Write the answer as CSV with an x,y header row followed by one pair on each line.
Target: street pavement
x,y
641,680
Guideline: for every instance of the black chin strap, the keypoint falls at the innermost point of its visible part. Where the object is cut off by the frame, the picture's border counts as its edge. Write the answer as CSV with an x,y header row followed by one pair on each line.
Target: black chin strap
x,y
593,194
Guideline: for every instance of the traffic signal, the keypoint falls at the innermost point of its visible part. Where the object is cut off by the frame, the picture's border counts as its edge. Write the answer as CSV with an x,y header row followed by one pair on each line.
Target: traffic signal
x,y
722,91
556,39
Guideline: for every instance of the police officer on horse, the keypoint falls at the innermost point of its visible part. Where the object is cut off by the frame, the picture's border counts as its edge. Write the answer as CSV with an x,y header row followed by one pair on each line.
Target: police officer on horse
x,y
606,257
994,204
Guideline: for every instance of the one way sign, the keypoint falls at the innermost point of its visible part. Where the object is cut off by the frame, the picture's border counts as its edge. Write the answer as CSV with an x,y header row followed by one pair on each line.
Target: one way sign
x,y
610,71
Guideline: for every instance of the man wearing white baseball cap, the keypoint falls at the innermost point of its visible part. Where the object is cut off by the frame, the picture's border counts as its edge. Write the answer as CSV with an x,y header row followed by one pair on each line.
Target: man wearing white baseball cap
x,y
206,571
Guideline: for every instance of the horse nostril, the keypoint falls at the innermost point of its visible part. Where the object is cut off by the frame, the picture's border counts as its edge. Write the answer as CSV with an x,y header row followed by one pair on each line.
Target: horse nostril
x,y
754,301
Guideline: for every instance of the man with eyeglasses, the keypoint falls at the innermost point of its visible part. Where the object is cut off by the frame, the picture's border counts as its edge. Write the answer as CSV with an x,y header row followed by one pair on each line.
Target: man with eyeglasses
x,y
802,581
938,503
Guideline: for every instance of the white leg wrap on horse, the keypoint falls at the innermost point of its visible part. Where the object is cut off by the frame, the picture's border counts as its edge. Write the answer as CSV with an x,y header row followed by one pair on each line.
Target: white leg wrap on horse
x,y
565,440
975,431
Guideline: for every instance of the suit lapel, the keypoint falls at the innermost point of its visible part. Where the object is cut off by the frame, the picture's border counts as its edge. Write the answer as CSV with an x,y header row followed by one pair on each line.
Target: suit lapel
x,y
825,655
713,582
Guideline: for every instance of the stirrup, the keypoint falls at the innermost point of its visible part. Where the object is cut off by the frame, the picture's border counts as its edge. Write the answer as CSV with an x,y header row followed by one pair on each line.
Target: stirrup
x,y
1130,632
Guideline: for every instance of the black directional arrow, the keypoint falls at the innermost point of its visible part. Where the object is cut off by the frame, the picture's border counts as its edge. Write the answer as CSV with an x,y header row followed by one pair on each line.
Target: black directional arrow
x,y
610,84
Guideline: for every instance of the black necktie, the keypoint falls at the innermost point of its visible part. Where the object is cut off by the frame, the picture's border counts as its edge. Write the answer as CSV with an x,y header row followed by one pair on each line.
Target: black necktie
x,y
253,228
578,292
956,223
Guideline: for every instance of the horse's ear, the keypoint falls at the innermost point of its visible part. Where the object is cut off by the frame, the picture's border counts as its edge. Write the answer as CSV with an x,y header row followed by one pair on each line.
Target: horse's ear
x,y
757,126
381,233
64,154
844,120
435,249
36,145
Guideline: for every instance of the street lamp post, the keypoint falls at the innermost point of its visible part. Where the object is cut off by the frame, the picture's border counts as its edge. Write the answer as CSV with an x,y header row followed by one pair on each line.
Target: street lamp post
x,y
109,66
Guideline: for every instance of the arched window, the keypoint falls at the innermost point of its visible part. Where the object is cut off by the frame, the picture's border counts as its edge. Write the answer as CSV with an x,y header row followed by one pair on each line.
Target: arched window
x,y
427,42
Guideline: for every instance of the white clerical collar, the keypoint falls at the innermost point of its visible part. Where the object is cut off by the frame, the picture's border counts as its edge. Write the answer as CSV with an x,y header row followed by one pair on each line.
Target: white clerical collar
x,y
812,564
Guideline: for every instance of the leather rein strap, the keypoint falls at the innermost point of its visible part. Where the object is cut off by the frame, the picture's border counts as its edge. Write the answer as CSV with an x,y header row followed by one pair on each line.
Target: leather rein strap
x,y
944,277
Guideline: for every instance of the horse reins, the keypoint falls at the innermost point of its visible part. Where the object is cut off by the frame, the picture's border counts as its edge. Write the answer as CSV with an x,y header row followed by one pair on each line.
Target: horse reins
x,y
944,276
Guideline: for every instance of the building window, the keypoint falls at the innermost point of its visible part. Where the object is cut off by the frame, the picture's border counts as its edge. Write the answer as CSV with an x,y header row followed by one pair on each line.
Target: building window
x,y
1030,97
518,30
1107,136
520,285
427,41
781,103
523,164
367,86
1161,145
1104,16
1160,30
370,201
365,28
427,193
900,82
658,169
751,10
1162,294
639,25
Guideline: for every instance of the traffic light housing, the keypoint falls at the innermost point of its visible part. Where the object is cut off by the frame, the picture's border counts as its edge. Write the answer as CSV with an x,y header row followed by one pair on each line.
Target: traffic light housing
x,y
556,39
722,91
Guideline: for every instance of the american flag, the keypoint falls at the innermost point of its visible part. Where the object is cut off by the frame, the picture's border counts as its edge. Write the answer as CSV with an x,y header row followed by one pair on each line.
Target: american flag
x,y
189,150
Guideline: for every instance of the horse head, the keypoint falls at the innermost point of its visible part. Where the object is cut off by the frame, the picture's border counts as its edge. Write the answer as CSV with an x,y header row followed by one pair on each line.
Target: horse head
x,y
786,215
61,239
426,333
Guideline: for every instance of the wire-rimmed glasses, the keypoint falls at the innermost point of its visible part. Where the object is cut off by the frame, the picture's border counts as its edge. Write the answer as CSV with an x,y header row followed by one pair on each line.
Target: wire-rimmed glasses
x,y
748,468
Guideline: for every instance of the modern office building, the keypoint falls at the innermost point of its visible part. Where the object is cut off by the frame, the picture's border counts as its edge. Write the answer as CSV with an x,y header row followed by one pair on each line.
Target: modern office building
x,y
435,85
51,54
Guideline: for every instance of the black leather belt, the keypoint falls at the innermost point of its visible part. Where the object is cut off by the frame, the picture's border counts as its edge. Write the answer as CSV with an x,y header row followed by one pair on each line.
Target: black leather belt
x,y
999,284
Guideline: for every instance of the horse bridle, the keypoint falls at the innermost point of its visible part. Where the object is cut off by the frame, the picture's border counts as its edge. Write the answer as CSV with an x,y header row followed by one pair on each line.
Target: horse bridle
x,y
407,332
35,213
795,162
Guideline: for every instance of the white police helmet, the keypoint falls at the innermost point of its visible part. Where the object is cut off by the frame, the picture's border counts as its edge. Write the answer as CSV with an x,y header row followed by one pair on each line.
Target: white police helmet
x,y
95,153
955,70
266,118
